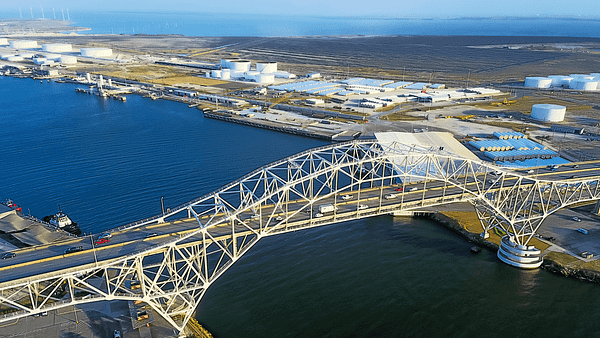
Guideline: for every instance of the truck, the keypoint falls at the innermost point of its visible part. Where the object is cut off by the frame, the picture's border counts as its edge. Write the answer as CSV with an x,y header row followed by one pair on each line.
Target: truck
x,y
327,208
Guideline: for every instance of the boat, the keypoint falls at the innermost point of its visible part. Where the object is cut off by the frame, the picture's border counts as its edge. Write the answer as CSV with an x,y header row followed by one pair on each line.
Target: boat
x,y
9,203
63,222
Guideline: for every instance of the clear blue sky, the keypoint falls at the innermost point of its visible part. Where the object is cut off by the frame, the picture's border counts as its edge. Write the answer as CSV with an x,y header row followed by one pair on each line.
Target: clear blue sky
x,y
392,8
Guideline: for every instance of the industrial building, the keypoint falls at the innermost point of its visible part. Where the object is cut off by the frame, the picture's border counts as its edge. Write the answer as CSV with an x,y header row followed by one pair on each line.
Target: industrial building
x,y
548,112
566,129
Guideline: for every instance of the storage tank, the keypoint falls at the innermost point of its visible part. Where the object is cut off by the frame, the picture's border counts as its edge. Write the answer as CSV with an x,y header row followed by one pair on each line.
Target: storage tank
x,y
266,67
39,61
239,65
3,42
251,75
96,52
57,47
265,78
68,59
548,112
23,44
225,74
584,84
560,80
15,58
27,55
53,57
225,63
215,73
236,74
538,82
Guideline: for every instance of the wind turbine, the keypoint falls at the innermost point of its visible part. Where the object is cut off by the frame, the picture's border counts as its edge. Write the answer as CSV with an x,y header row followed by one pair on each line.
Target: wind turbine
x,y
42,12
63,13
53,12
20,14
68,17
31,11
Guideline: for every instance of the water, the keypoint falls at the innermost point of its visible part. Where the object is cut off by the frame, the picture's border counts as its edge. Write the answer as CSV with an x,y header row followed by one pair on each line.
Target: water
x,y
108,162
237,24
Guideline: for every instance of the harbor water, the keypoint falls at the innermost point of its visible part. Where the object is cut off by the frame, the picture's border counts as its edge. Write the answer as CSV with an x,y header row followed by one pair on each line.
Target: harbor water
x,y
108,162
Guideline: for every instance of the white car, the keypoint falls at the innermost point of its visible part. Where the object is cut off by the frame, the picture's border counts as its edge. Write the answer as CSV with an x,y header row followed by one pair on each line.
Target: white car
x,y
362,207
390,196
346,197
531,171
414,189
105,235
318,214
577,219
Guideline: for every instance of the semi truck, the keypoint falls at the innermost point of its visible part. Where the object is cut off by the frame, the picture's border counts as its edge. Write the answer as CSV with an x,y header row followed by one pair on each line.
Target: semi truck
x,y
327,208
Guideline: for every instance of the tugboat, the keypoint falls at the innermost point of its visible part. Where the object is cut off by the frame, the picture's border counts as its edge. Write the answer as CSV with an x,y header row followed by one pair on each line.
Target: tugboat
x,y
62,221
9,203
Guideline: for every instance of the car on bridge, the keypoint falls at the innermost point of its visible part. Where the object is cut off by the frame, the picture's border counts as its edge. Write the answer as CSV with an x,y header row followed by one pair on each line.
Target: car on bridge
x,y
577,219
362,207
346,197
105,235
117,334
9,255
390,196
101,241
151,235
73,249
399,189
582,230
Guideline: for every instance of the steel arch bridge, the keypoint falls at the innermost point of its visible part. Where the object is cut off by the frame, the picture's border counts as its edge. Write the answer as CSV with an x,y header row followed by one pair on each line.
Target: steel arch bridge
x,y
214,231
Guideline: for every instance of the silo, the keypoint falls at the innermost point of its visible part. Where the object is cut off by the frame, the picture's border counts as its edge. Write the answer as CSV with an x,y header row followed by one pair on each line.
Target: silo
x,y
548,112
68,59
266,67
265,78
57,47
96,52
538,82
23,44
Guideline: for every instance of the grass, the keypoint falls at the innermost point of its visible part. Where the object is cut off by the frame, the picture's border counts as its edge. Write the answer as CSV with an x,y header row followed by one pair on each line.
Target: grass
x,y
524,104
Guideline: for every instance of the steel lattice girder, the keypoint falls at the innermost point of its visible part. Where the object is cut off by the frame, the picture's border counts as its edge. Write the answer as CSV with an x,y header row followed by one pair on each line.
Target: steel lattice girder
x,y
173,276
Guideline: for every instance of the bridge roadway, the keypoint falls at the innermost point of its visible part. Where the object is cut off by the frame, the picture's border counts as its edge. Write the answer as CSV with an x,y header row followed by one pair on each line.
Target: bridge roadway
x,y
44,259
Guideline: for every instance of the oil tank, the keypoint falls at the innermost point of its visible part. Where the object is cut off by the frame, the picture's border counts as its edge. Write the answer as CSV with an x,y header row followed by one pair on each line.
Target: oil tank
x,y
251,75
266,67
67,59
3,42
96,52
265,78
23,44
548,112
239,65
225,74
57,47
584,84
215,73
538,82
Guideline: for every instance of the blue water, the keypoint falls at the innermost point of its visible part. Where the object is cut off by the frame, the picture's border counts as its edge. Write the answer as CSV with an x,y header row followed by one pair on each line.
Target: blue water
x,y
227,24
108,162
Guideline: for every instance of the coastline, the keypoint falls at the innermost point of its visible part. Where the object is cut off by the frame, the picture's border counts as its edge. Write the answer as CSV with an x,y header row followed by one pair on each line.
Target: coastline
x,y
554,262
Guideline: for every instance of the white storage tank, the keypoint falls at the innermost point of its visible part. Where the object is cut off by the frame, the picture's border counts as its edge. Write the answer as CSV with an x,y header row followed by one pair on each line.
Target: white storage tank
x,y
15,58
538,82
225,63
27,55
53,57
584,84
225,74
39,61
23,44
96,52
215,73
265,78
3,42
6,56
235,74
57,47
266,67
548,112
68,59
560,80
251,75
239,65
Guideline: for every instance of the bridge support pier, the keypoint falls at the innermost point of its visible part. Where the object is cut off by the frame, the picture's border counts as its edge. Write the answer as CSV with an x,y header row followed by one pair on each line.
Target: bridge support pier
x,y
521,256
597,208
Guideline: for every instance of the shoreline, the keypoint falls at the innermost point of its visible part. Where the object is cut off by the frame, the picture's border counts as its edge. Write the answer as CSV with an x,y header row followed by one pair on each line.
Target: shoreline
x,y
550,264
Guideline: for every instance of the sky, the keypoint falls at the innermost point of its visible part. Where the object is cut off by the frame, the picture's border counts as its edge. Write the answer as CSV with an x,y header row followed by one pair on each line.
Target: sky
x,y
379,8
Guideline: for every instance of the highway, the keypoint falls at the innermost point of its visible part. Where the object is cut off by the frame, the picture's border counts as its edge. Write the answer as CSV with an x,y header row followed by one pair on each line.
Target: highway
x,y
46,259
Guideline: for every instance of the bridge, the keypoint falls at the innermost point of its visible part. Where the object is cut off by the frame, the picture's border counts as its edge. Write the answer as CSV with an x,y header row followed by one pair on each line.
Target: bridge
x,y
169,261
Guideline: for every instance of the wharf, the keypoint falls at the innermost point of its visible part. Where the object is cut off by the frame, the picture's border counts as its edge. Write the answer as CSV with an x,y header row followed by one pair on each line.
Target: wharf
x,y
271,125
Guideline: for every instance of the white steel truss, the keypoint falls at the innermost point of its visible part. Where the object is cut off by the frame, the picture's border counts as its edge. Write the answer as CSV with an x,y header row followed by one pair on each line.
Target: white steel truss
x,y
173,276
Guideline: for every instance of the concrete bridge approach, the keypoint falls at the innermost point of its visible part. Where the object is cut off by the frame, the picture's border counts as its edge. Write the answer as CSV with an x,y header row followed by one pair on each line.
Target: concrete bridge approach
x,y
169,261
